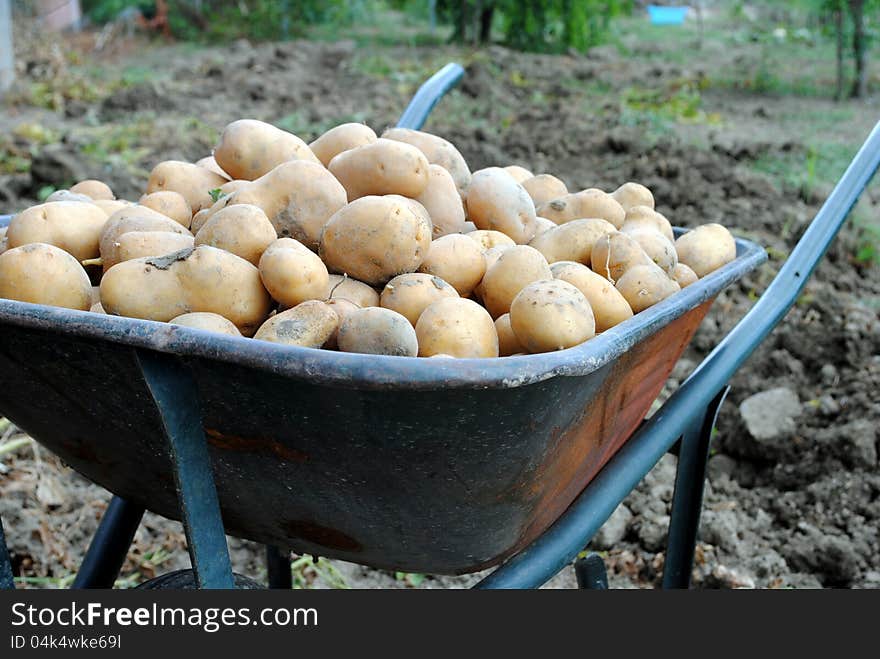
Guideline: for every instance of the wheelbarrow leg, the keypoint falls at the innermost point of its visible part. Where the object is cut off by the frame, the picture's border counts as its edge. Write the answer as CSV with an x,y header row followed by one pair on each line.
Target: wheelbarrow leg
x,y
687,500
176,397
6,580
278,567
109,546
590,572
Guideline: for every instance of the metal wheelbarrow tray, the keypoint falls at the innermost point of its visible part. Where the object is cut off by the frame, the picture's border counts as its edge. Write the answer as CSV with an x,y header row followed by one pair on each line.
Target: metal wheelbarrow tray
x,y
439,466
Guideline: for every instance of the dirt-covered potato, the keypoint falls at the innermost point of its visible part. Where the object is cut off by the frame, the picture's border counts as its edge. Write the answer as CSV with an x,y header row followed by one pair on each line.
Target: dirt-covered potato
x,y
572,241
518,173
614,253
515,268
376,238
211,165
74,226
438,152
544,187
384,167
706,248
488,239
97,190
121,223
342,307
340,287
683,275
341,138
248,149
643,217
608,304
140,244
309,324
443,202
40,273
457,327
242,229
291,272
551,315
410,294
584,204
194,183
660,250
495,201
633,194
377,331
169,203
211,322
200,279
67,195
457,260
508,344
644,286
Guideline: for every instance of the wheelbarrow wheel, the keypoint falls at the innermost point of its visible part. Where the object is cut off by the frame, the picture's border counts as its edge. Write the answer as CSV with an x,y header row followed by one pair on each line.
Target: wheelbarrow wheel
x,y
186,580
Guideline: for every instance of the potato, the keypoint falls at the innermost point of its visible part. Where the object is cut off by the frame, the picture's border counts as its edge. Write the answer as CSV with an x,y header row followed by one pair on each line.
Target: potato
x,y
704,249
141,244
248,149
438,152
495,201
660,250
242,229
67,195
614,253
200,219
683,275
341,138
584,204
633,194
169,203
642,217
193,182
95,294
457,327
94,189
136,210
551,315
508,344
199,279
310,324
211,165
40,273
376,238
121,223
514,270
410,294
210,322
384,167
542,224
443,202
290,271
377,331
517,173
572,241
110,206
487,239
342,307
4,241
645,285
543,188
608,304
346,288
74,226
457,260
235,185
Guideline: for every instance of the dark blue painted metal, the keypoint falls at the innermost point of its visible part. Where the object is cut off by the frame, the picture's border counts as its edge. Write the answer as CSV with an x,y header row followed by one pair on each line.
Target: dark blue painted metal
x,y
6,579
590,573
177,401
109,546
431,91
278,568
687,501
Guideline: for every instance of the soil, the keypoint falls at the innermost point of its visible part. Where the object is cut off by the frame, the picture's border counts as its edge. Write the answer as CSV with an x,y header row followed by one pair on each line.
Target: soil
x,y
791,506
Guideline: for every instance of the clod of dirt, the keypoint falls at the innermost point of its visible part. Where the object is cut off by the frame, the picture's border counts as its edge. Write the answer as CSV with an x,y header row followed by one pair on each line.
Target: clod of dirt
x,y
137,98
56,166
614,530
771,414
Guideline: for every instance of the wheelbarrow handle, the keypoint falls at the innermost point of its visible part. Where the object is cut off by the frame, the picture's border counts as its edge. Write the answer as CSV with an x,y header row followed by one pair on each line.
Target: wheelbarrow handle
x,y
431,91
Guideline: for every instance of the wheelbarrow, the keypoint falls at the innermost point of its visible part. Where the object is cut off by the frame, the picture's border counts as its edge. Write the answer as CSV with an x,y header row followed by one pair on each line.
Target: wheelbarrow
x,y
439,466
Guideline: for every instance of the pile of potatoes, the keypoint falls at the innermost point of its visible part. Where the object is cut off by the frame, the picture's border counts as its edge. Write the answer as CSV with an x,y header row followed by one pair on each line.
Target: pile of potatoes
x,y
383,245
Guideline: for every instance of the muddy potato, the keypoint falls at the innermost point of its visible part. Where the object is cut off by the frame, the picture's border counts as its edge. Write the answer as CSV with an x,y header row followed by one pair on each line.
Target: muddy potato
x,y
309,324
377,331
169,203
340,287
194,183
291,272
706,248
40,273
410,294
457,260
495,201
210,322
248,149
508,344
74,226
211,165
584,204
519,174
67,195
488,239
242,229
121,223
110,206
614,253
644,286
97,190
683,275
443,202
141,244
384,167
643,217
342,307
660,250
551,315
341,138
633,194
608,304
457,327
544,187
376,238
515,268
438,152
572,241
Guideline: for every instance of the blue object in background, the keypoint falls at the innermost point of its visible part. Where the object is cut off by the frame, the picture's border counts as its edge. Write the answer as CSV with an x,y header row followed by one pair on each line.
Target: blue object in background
x,y
667,15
